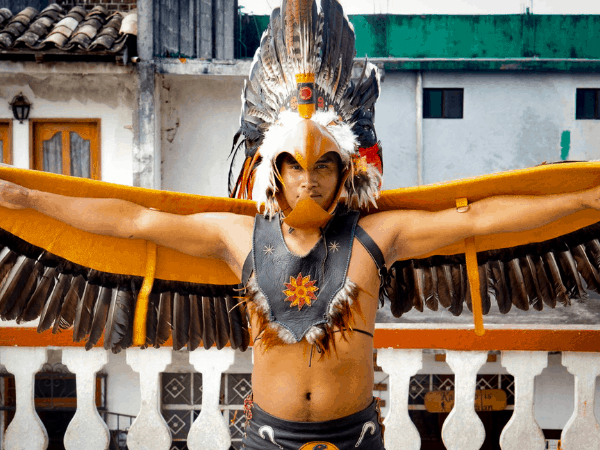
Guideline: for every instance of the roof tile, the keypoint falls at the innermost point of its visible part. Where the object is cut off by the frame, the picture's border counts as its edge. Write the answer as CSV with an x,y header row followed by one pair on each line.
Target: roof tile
x,y
74,32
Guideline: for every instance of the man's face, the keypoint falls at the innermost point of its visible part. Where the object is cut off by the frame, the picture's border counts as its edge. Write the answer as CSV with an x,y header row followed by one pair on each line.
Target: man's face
x,y
310,166
319,181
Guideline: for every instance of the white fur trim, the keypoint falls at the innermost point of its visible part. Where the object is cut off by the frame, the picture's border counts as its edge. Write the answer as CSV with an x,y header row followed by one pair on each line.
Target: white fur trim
x,y
314,333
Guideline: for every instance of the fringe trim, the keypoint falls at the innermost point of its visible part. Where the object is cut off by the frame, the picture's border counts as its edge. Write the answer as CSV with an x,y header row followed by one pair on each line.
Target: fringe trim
x,y
341,316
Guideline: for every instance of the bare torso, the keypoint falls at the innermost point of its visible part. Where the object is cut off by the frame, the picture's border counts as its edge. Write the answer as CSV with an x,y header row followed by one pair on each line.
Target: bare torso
x,y
283,383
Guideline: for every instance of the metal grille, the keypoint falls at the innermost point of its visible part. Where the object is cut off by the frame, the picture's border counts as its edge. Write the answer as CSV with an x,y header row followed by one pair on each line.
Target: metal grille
x,y
181,395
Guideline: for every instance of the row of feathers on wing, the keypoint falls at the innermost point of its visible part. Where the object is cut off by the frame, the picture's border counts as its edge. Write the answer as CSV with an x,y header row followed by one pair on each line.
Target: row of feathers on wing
x,y
37,284
527,276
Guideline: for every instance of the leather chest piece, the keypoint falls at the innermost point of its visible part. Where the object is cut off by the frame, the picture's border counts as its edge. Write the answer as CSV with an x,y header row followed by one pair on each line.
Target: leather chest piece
x,y
299,290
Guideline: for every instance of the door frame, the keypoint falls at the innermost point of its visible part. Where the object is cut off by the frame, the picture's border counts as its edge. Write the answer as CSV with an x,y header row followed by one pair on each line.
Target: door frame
x,y
95,154
7,158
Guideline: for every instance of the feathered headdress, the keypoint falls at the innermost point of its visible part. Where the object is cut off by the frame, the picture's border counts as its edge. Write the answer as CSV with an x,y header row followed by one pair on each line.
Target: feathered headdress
x,y
303,70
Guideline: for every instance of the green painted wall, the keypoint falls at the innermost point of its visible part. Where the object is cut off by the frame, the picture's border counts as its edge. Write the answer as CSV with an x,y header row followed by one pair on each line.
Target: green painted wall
x,y
470,36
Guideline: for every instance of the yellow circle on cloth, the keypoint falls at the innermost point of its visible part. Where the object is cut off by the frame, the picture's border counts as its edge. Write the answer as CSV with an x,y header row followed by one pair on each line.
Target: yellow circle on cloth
x,y
318,445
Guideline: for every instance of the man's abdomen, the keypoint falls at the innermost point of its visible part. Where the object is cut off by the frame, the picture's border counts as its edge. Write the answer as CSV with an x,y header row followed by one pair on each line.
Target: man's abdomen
x,y
290,385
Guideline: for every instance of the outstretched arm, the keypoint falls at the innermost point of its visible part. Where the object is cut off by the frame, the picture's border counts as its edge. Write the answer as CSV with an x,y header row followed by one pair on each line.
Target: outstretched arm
x,y
414,233
197,234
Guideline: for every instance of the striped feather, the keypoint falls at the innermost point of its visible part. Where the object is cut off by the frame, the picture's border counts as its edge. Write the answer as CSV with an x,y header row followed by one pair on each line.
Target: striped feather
x,y
83,315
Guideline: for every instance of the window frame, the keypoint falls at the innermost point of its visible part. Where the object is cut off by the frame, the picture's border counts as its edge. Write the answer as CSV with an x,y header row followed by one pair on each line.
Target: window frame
x,y
7,157
95,151
596,103
442,90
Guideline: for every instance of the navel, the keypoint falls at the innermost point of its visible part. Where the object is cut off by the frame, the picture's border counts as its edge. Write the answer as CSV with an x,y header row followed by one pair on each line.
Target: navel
x,y
308,396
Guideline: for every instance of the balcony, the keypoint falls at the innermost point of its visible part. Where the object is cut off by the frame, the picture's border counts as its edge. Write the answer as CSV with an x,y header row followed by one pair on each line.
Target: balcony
x,y
561,352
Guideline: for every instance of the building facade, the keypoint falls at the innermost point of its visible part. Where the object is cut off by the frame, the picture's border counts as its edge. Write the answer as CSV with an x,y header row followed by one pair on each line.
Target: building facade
x,y
461,96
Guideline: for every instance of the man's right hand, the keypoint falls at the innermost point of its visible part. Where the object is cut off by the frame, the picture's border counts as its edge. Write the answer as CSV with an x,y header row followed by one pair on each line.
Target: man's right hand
x,y
13,196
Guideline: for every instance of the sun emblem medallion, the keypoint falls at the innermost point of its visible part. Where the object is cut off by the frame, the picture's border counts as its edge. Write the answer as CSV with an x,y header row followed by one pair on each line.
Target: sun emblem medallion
x,y
300,291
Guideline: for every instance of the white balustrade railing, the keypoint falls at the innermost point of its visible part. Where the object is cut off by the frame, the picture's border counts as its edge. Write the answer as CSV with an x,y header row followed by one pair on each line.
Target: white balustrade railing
x,y
462,429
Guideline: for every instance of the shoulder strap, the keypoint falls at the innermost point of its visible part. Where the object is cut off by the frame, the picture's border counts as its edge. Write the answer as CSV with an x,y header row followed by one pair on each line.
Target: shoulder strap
x,y
247,269
371,247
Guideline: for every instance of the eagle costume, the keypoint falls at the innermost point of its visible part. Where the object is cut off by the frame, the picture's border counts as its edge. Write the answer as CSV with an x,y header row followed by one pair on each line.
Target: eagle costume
x,y
136,293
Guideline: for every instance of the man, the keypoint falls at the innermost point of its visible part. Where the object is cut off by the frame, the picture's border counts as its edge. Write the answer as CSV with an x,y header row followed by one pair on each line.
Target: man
x,y
311,266
284,384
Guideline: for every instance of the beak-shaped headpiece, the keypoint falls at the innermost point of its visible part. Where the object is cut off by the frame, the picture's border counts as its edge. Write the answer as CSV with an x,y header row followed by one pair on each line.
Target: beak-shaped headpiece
x,y
302,71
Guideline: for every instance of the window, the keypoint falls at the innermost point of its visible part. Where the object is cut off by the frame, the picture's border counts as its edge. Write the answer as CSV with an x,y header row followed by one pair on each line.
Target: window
x,y
587,104
5,142
443,103
68,147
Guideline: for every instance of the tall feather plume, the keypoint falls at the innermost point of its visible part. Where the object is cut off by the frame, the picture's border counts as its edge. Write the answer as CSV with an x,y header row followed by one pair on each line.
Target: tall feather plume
x,y
36,304
100,315
84,313
21,304
165,318
556,279
221,323
181,320
195,323
208,327
69,307
334,23
14,283
500,286
299,26
54,304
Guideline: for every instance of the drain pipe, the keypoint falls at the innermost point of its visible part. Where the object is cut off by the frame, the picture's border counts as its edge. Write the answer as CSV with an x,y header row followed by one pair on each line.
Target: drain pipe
x,y
419,121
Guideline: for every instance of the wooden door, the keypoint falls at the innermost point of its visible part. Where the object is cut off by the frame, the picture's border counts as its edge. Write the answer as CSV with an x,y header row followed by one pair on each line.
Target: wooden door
x,y
5,142
67,147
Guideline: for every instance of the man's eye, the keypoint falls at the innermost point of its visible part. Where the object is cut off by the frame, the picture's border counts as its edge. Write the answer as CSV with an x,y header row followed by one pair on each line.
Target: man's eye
x,y
296,167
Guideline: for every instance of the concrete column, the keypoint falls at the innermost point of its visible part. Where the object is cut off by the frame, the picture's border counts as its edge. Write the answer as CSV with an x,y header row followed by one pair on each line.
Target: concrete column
x,y
26,431
144,155
400,365
463,429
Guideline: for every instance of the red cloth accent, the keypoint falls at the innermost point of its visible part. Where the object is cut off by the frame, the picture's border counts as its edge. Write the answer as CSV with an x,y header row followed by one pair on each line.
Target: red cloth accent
x,y
373,156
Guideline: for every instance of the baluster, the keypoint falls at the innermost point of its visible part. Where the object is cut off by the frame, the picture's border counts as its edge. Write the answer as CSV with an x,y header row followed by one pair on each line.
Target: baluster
x,y
462,429
149,431
26,431
522,431
87,430
400,365
210,431
582,430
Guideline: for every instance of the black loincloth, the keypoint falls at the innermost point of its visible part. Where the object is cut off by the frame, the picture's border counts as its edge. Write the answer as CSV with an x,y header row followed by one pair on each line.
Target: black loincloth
x,y
342,434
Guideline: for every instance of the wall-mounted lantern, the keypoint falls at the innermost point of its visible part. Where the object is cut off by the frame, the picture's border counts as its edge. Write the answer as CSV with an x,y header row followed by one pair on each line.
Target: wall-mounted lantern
x,y
20,107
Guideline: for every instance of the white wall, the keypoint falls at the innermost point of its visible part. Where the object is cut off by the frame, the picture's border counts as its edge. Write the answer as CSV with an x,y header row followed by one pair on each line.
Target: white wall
x,y
511,120
200,116
109,98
